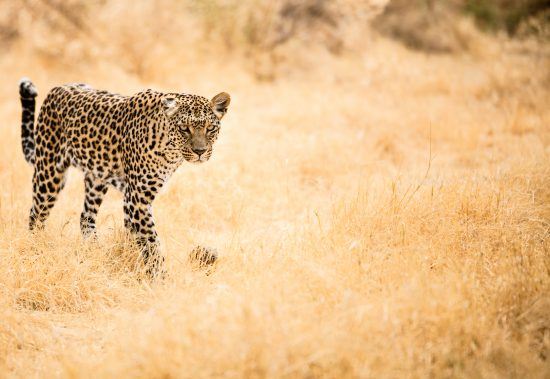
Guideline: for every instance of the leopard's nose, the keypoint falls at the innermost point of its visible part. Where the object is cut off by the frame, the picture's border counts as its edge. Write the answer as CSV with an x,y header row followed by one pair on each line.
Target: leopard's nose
x,y
199,152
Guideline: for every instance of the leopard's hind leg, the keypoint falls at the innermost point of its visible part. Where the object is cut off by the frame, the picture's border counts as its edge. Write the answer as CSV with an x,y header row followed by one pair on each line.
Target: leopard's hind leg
x,y
50,165
47,182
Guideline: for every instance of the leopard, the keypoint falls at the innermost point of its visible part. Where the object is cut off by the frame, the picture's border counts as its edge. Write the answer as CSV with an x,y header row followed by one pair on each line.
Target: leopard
x,y
132,143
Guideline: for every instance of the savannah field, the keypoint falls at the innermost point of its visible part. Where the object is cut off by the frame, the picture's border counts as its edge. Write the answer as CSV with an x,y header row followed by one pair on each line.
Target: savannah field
x,y
381,209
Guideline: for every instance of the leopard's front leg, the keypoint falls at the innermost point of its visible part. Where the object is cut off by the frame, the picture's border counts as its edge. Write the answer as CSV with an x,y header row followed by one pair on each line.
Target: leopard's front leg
x,y
138,219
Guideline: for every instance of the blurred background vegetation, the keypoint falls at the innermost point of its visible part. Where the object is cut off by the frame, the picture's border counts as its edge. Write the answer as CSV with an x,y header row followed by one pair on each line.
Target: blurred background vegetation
x,y
436,25
510,15
266,33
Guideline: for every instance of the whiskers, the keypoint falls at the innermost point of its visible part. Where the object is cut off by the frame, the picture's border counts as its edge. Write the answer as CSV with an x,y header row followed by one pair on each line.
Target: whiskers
x,y
192,157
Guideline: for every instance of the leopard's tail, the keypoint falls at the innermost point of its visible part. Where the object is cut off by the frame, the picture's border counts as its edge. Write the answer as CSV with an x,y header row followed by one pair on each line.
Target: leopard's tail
x,y
27,92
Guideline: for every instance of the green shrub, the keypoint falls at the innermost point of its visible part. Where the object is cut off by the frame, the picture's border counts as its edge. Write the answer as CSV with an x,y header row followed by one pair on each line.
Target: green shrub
x,y
503,14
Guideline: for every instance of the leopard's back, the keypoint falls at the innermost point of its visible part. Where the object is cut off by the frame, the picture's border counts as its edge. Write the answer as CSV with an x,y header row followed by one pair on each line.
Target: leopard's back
x,y
87,125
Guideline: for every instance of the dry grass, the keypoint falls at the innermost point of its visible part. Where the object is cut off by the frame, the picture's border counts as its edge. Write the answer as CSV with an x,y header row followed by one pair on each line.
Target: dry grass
x,y
380,213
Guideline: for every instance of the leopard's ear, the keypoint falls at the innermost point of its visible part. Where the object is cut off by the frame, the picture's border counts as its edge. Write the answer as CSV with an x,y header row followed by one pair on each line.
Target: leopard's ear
x,y
219,103
170,104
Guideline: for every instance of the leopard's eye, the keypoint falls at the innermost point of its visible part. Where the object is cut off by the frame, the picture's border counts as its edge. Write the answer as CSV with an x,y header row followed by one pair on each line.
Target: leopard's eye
x,y
185,129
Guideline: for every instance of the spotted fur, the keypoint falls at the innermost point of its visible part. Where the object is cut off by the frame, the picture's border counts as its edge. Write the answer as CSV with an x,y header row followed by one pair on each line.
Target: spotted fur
x,y
132,143
27,93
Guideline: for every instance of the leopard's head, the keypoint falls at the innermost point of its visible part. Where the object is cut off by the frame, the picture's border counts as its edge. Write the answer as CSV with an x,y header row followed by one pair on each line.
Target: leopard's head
x,y
195,123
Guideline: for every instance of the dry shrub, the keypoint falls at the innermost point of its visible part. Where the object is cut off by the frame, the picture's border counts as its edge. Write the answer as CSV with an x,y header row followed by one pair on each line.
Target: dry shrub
x,y
8,31
270,33
56,30
265,25
65,32
432,26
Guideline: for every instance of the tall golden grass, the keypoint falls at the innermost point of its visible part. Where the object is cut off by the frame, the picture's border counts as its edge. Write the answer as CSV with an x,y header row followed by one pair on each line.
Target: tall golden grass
x,y
378,212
